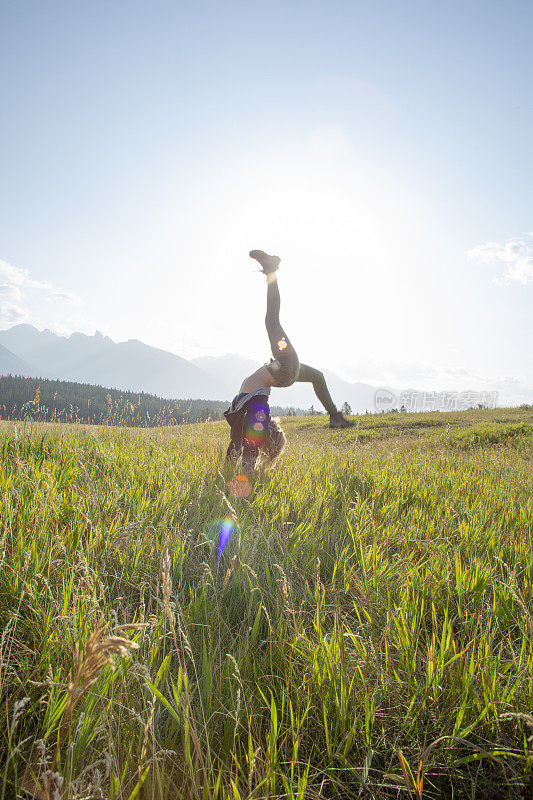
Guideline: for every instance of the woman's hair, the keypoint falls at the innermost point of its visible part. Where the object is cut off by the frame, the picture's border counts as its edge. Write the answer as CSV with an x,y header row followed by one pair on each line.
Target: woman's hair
x,y
273,446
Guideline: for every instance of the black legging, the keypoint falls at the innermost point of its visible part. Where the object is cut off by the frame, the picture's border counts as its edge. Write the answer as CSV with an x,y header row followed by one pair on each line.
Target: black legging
x,y
286,368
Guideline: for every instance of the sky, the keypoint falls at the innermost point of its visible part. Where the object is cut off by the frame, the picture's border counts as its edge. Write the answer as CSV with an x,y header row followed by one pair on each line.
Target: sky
x,y
383,150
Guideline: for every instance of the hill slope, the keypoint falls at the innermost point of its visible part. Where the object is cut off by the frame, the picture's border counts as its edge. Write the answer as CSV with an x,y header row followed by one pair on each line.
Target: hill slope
x,y
136,366
131,365
13,364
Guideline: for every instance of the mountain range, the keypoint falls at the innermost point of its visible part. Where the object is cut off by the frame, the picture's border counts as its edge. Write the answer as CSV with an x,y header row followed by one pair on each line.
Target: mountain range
x,y
135,366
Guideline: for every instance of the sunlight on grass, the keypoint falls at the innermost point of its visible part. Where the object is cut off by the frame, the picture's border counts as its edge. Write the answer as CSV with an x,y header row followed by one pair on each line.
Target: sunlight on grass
x,y
362,623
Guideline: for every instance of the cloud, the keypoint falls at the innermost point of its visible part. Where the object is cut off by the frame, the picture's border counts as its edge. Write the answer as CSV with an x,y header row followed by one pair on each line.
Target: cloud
x,y
15,276
513,392
14,279
396,373
515,256
70,296
420,376
8,290
17,286
11,314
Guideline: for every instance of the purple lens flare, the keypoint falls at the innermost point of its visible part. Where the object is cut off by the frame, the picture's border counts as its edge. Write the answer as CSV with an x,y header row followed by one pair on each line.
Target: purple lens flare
x,y
226,527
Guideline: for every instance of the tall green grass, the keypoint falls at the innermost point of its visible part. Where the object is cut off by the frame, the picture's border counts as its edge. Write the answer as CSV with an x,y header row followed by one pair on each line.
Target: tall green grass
x,y
367,632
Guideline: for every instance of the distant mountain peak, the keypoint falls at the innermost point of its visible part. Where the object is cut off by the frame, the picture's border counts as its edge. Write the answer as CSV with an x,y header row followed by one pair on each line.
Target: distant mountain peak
x,y
135,366
96,359
23,326
98,336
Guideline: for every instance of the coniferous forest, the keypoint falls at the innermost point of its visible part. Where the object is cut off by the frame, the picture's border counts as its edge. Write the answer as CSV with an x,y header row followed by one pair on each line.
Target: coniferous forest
x,y
63,401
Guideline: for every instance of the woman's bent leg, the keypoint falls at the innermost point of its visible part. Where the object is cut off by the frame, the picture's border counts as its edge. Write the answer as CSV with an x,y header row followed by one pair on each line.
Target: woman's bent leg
x,y
314,376
311,375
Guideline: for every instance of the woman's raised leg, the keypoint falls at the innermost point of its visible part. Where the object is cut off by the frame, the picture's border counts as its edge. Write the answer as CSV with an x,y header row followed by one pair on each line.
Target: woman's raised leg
x,y
285,366
276,334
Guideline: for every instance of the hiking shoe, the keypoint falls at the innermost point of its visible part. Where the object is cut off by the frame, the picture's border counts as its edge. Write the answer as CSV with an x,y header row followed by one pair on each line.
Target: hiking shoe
x,y
338,420
269,263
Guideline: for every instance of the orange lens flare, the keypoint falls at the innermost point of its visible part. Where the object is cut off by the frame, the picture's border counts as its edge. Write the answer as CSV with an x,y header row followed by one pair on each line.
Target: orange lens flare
x,y
240,487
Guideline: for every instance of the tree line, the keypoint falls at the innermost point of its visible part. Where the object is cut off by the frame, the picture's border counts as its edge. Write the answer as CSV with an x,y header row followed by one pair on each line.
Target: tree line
x,y
65,401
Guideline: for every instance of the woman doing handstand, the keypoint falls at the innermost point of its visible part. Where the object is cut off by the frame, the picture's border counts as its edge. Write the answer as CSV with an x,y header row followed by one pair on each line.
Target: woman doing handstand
x,y
253,430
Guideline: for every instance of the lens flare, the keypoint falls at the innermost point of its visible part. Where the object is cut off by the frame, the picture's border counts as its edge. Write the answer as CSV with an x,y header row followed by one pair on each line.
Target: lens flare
x,y
282,344
225,529
256,425
240,487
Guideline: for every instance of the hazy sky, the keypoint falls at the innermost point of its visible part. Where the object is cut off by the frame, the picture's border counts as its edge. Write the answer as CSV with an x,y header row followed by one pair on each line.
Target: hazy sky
x,y
383,149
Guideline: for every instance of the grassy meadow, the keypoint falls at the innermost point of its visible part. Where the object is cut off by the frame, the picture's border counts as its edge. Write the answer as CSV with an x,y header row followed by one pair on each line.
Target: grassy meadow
x,y
366,632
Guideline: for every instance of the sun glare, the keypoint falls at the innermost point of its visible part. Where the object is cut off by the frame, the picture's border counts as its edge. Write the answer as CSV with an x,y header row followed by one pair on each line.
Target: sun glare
x,y
342,234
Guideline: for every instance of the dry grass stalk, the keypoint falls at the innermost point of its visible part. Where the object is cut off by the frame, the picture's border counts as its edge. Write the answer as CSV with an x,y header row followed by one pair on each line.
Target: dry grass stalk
x,y
88,663
319,584
267,615
146,732
388,625
252,768
236,670
167,604
174,620
227,503
250,570
167,590
99,651
169,612
226,579
286,591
